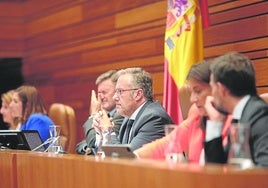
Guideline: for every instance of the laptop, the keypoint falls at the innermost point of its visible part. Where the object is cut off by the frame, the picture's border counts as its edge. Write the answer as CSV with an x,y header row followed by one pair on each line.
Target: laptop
x,y
118,151
21,139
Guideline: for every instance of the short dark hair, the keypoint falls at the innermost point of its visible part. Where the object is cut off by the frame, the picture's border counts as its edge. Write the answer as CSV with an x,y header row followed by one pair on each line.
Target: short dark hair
x,y
236,72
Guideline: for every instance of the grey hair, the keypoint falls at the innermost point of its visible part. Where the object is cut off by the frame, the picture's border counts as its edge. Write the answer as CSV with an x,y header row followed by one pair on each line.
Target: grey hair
x,y
111,74
141,79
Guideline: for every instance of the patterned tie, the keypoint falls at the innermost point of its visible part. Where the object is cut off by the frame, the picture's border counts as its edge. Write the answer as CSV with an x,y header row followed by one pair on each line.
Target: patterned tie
x,y
127,131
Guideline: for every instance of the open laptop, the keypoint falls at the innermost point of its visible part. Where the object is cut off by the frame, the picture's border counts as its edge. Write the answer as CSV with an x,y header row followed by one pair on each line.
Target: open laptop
x,y
118,151
21,139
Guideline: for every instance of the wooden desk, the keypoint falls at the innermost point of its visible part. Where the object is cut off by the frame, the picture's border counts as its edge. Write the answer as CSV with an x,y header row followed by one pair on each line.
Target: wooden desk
x,y
8,177
48,170
51,170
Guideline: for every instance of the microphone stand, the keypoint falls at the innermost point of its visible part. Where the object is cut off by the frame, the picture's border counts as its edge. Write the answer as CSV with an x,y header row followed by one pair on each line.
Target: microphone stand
x,y
49,140
54,140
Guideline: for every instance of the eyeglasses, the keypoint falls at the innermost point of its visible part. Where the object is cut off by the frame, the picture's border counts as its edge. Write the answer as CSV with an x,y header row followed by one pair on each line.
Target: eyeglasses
x,y
120,91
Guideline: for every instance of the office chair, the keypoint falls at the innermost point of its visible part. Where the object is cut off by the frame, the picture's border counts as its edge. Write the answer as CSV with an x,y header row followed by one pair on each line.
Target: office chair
x,y
184,97
264,96
64,116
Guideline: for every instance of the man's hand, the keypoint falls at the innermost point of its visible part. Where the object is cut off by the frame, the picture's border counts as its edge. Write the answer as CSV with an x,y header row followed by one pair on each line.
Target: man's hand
x,y
213,114
101,122
95,104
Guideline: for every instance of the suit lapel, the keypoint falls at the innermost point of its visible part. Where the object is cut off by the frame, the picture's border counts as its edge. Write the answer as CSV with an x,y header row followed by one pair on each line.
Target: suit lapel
x,y
246,116
137,123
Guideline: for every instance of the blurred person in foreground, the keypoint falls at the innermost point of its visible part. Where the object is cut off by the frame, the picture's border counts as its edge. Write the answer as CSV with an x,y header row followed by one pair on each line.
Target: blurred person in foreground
x,y
144,118
189,136
27,105
103,101
13,123
234,92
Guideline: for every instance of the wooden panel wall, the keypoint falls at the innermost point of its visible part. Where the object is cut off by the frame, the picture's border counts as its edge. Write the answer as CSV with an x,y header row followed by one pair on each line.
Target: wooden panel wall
x,y
11,30
240,26
66,44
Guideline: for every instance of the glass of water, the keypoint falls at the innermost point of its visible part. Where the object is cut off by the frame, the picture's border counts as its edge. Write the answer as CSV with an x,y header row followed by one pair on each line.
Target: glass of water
x,y
239,154
173,151
55,146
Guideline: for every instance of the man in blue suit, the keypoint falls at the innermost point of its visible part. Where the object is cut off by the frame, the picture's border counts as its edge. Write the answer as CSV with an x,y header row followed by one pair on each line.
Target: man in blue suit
x,y
134,100
234,92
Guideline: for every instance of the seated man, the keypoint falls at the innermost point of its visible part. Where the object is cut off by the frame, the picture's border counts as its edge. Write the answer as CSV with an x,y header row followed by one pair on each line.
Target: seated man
x,y
234,92
134,100
106,88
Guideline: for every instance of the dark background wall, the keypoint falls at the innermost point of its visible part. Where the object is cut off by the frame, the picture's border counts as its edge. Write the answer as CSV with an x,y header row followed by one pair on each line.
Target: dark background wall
x,y
10,78
66,44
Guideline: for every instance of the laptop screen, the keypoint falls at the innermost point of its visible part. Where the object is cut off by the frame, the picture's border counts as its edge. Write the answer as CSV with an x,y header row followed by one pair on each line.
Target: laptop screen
x,y
33,139
24,140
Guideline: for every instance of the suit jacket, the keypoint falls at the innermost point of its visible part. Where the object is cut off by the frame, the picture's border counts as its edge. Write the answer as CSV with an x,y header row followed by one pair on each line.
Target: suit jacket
x,y
148,125
255,114
90,133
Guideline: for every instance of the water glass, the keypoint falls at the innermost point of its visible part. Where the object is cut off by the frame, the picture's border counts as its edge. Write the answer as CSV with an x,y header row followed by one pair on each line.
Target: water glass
x,y
172,152
239,154
54,149
55,146
54,131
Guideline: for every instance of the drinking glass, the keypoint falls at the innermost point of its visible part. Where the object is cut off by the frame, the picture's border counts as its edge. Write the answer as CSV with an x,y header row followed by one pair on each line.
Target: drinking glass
x,y
172,152
239,154
55,146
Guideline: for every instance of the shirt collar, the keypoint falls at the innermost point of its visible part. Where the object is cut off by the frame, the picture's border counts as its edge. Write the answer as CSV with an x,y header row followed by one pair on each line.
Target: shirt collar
x,y
133,116
112,112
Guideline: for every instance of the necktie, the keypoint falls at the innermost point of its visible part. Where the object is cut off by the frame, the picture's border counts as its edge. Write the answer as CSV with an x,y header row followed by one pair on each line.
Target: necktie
x,y
127,131
234,121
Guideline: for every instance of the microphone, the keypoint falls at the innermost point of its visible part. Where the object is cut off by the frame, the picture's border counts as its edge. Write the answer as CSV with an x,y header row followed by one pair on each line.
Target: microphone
x,y
49,140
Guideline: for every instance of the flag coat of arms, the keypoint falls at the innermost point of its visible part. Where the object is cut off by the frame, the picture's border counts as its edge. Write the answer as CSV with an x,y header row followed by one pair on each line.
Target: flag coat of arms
x,y
183,48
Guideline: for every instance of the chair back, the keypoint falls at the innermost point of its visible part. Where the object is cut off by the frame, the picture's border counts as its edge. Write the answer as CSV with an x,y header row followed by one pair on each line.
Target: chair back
x,y
185,103
64,116
264,96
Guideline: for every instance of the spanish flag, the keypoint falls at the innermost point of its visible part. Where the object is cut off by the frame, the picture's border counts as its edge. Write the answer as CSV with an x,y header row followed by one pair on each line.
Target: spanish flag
x,y
183,48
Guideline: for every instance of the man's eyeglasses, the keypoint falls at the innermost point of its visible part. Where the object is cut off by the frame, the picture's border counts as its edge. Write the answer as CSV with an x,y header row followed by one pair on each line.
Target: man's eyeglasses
x,y
120,91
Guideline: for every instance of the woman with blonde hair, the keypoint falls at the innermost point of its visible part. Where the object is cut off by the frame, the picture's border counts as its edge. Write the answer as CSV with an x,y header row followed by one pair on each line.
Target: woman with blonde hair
x,y
28,106
13,123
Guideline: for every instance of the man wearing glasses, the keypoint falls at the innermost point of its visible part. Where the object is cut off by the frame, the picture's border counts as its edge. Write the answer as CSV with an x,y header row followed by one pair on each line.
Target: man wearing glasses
x,y
144,118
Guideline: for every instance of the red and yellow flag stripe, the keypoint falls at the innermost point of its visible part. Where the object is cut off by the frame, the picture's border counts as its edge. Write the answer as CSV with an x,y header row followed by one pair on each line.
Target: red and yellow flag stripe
x,y
183,48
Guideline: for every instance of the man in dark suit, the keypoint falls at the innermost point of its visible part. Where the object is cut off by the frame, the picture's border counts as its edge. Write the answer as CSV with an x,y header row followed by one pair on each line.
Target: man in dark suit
x,y
234,92
104,100
134,100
